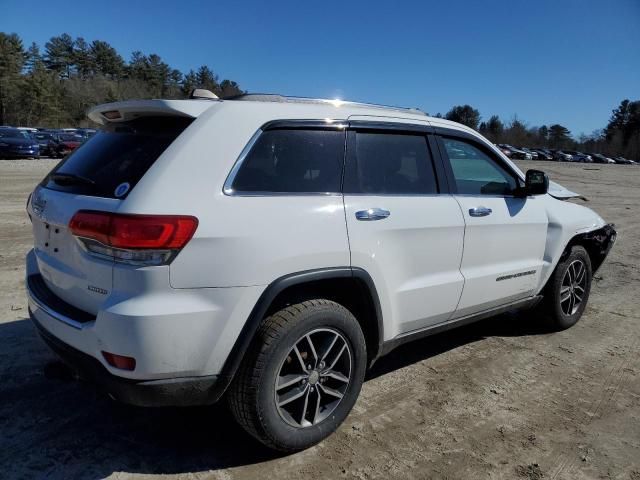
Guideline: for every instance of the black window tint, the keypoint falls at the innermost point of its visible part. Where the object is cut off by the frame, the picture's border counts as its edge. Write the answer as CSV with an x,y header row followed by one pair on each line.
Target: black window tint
x,y
293,161
390,163
475,172
119,153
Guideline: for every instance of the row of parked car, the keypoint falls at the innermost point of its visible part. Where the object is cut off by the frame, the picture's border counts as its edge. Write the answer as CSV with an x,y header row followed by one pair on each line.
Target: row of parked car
x,y
524,153
22,142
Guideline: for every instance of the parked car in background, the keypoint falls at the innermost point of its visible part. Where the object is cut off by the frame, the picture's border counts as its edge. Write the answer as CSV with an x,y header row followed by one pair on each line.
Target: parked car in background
x,y
506,151
579,156
623,161
86,133
27,129
533,153
69,142
600,158
543,154
17,143
49,144
513,152
561,156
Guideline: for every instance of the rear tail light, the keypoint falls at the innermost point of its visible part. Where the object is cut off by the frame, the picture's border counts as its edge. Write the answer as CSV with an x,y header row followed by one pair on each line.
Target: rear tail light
x,y
133,239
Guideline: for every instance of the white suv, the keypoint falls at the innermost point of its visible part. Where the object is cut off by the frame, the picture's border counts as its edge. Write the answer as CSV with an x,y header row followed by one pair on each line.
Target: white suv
x,y
270,249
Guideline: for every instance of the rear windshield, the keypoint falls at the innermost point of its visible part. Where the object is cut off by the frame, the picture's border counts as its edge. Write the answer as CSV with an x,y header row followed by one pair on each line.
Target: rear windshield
x,y
113,160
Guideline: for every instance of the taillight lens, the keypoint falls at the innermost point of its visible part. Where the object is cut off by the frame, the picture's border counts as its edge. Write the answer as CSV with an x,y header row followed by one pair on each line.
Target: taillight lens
x,y
136,239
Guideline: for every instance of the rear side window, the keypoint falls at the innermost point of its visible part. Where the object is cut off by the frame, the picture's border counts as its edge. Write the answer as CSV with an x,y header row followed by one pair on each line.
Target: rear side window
x,y
391,163
293,161
114,160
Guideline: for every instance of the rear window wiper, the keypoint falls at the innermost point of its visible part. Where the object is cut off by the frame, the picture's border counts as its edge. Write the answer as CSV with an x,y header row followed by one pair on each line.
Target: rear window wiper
x,y
71,179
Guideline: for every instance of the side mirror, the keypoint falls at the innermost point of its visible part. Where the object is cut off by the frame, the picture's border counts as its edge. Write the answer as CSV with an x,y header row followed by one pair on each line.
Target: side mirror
x,y
536,182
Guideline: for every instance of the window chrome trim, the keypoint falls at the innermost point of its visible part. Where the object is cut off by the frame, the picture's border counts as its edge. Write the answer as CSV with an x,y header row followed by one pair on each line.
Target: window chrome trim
x,y
312,124
227,189
391,127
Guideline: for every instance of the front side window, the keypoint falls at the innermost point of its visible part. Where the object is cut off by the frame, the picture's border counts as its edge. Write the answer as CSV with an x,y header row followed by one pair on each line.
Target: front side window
x,y
391,164
475,172
293,161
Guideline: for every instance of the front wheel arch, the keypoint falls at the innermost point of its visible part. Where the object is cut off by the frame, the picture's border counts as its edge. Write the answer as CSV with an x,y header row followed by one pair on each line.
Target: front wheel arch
x,y
597,243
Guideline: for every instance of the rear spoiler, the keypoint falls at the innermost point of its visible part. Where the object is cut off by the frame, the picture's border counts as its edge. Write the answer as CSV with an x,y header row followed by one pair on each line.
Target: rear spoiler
x,y
130,109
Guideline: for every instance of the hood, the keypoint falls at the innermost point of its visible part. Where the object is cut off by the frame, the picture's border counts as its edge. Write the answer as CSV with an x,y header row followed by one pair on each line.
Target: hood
x,y
558,191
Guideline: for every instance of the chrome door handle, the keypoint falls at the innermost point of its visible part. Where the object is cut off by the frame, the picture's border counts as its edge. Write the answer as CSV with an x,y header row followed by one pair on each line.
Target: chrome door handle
x,y
372,214
479,211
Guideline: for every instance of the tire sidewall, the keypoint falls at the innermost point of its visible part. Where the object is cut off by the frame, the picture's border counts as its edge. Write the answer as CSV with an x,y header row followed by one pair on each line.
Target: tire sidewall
x,y
274,426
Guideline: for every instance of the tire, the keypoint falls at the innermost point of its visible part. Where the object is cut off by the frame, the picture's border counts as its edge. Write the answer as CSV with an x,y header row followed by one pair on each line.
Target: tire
x,y
338,363
567,292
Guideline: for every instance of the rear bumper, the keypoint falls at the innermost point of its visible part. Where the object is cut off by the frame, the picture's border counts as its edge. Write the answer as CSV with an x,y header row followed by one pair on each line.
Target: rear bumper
x,y
151,393
180,338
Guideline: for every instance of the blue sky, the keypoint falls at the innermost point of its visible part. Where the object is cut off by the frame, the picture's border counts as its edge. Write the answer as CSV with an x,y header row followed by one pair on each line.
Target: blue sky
x,y
565,61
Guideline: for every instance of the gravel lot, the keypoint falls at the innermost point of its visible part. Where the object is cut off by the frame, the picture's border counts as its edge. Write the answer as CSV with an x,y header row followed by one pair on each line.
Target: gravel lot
x,y
498,399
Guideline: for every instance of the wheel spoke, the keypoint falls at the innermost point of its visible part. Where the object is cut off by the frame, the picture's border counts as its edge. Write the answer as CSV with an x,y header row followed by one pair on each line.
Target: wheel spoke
x,y
304,407
577,298
288,380
331,391
302,364
292,395
313,349
570,311
337,357
581,272
578,287
335,375
333,342
565,297
564,290
317,411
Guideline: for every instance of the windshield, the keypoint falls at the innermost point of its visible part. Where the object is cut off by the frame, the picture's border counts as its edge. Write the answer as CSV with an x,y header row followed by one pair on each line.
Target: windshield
x,y
14,133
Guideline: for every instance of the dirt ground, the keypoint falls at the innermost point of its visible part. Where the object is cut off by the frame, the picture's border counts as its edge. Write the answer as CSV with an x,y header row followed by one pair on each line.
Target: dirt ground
x,y
498,399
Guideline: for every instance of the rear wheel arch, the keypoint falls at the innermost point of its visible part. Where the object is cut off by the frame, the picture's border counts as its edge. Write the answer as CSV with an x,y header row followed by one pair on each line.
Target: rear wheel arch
x,y
350,287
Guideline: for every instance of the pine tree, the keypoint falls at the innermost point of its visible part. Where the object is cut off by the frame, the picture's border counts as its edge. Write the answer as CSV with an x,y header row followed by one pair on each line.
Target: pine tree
x,y
59,55
12,58
464,114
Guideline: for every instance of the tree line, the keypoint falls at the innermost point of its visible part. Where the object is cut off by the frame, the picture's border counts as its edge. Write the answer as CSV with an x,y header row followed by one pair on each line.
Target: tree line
x,y
620,137
54,87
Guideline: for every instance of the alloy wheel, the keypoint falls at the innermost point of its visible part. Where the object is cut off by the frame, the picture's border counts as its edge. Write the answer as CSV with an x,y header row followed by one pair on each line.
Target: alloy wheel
x,y
313,378
573,287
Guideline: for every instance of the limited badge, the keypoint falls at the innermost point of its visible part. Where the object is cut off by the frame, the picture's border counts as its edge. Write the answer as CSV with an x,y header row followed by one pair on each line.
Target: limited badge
x,y
122,189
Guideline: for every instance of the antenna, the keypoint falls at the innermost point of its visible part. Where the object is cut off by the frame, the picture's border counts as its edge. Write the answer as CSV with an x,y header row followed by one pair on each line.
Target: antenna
x,y
202,93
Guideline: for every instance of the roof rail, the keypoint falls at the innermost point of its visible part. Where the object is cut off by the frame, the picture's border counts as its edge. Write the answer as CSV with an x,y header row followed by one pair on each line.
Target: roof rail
x,y
277,98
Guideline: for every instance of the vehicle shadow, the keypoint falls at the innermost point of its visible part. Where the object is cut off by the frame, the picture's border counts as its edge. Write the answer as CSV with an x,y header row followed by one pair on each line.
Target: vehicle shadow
x,y
66,429
505,325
